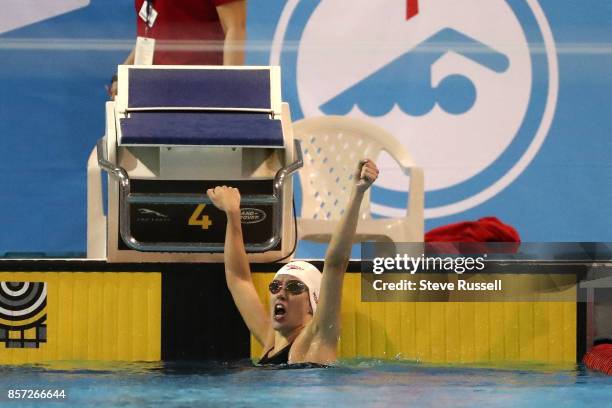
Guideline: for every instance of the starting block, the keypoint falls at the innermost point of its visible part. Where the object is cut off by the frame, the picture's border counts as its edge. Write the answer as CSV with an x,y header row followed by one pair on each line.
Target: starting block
x,y
172,133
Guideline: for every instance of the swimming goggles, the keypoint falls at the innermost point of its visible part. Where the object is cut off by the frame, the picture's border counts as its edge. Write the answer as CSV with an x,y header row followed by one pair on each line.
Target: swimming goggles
x,y
295,287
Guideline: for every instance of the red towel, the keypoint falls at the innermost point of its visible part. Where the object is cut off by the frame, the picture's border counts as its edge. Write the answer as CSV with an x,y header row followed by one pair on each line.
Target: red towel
x,y
599,358
488,229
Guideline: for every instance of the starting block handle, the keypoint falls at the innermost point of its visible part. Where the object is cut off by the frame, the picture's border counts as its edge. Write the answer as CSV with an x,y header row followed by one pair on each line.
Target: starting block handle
x,y
115,171
279,178
126,198
137,198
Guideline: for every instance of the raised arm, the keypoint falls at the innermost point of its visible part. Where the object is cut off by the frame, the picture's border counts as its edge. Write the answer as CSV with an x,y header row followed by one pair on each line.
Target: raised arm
x,y
232,16
237,270
326,321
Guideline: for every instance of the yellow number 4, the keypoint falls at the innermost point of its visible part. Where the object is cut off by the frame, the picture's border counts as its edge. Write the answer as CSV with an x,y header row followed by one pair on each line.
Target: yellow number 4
x,y
195,219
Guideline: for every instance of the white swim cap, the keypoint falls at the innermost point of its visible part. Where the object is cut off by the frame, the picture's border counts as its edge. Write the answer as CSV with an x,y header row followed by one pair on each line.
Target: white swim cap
x,y
308,274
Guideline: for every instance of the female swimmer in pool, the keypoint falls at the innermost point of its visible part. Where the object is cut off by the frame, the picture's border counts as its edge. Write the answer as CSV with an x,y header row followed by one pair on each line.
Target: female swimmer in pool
x,y
303,322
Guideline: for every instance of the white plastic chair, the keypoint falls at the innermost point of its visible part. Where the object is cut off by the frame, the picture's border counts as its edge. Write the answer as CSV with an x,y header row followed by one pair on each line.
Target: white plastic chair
x,y
332,146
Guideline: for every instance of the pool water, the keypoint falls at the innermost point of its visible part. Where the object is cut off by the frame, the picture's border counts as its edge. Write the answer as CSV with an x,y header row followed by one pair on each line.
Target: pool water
x,y
352,383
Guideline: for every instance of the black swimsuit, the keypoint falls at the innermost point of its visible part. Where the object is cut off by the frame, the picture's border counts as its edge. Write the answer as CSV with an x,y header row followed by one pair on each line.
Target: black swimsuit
x,y
282,359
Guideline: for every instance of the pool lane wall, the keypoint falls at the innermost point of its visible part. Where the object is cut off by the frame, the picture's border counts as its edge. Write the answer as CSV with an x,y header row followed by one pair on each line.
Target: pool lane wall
x,y
451,332
90,316
149,312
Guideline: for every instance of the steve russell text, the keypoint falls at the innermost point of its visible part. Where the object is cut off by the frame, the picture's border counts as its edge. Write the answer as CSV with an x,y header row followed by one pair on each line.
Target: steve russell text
x,y
427,285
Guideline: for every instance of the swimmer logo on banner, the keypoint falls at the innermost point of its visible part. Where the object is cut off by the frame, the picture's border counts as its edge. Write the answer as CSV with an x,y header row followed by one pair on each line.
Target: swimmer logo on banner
x,y
23,314
469,87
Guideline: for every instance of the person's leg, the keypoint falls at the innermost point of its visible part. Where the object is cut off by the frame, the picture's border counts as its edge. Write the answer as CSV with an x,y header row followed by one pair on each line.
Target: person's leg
x,y
602,315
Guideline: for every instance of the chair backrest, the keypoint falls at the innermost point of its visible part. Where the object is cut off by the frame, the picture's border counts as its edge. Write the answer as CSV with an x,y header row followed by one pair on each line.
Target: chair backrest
x,y
332,146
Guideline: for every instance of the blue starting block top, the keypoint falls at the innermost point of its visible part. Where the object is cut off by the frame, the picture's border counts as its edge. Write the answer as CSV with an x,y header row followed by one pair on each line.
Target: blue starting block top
x,y
201,128
199,88
215,107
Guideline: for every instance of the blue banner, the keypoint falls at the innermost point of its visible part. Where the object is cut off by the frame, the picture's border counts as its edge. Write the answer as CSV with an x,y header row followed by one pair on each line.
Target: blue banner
x,y
504,103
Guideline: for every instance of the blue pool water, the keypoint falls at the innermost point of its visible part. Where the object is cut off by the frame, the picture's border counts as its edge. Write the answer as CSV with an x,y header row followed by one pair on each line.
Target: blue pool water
x,y
353,383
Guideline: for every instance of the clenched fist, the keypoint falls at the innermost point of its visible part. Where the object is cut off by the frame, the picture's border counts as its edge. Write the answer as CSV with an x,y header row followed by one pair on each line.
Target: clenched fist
x,y
225,198
365,175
